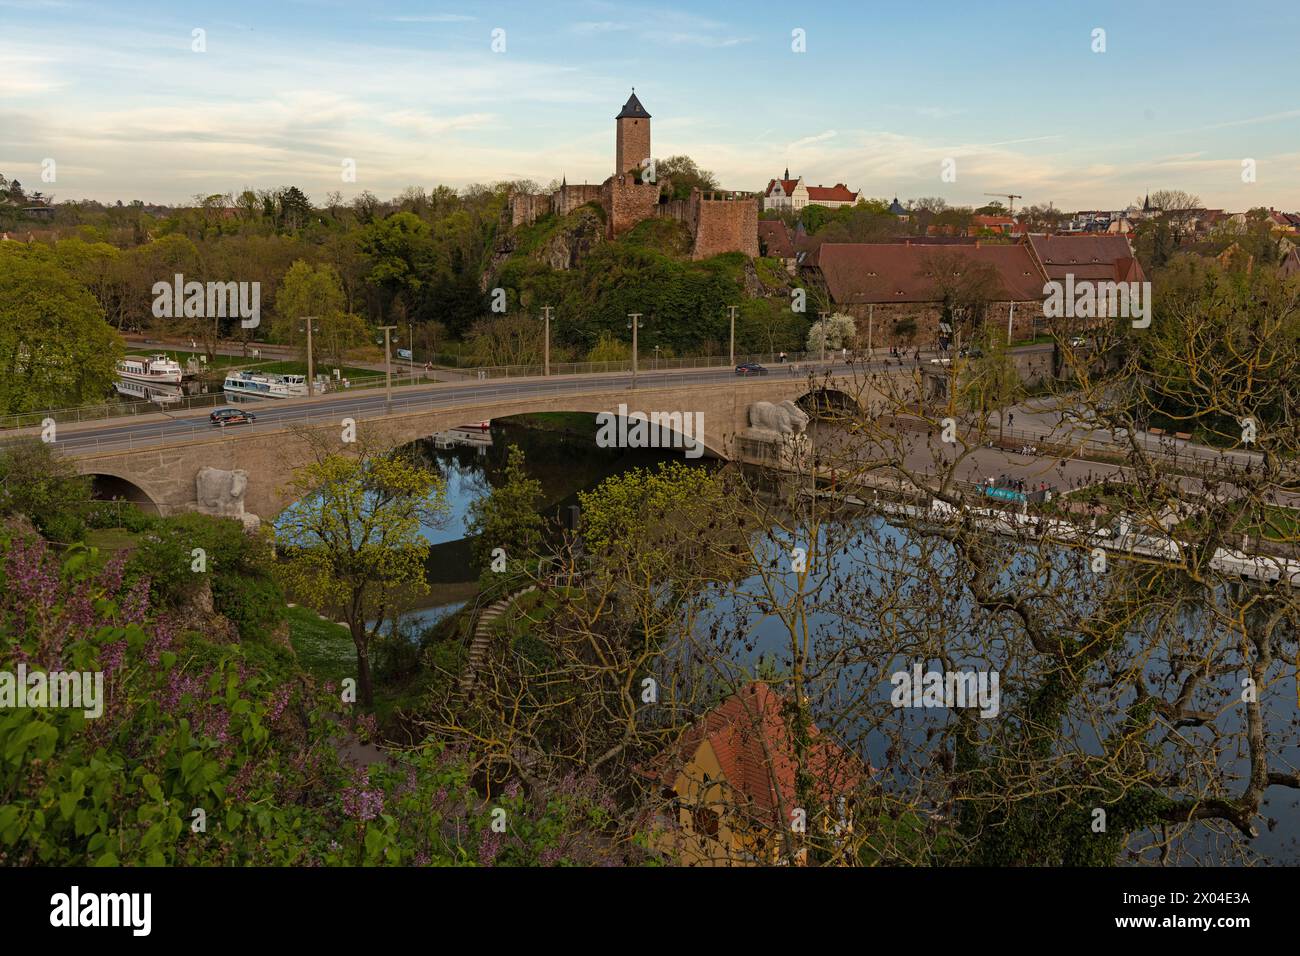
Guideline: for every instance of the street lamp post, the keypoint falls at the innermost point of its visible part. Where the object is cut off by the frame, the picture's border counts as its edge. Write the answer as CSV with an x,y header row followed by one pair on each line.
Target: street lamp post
x,y
656,358
546,342
732,310
822,316
310,320
388,368
634,322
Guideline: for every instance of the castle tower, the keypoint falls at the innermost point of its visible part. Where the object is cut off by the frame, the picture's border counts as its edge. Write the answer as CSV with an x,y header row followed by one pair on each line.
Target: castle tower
x,y
632,136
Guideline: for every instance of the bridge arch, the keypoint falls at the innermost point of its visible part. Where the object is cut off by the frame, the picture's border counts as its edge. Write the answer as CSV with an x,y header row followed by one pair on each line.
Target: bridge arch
x,y
110,487
829,400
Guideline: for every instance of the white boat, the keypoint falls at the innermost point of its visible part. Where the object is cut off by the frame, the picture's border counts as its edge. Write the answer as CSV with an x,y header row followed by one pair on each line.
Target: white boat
x,y
152,369
260,385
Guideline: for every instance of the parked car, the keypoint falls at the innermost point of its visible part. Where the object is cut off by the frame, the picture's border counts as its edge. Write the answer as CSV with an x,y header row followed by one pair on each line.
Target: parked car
x,y
750,368
231,416
1078,342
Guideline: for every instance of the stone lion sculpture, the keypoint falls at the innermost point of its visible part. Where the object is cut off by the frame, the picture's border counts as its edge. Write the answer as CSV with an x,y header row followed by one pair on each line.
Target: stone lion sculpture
x,y
222,492
786,419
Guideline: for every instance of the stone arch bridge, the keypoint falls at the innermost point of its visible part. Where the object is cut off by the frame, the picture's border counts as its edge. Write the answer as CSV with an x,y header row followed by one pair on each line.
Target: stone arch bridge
x,y
161,474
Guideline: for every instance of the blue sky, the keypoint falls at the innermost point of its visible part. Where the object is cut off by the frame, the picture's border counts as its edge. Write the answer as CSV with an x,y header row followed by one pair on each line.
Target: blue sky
x,y
415,95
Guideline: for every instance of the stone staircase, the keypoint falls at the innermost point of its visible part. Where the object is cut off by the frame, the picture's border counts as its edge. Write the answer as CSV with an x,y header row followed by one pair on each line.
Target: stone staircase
x,y
478,646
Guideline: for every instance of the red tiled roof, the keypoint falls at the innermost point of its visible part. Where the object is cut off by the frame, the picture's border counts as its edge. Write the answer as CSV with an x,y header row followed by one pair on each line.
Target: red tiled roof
x,y
775,238
837,193
897,272
750,738
787,186
1098,257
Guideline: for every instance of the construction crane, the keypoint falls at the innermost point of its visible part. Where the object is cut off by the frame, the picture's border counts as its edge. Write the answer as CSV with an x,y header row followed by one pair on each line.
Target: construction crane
x,y
1011,200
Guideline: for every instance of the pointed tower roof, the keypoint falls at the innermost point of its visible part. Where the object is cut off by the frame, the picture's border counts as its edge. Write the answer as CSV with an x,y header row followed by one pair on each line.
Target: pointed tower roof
x,y
633,109
896,208
787,173
1146,203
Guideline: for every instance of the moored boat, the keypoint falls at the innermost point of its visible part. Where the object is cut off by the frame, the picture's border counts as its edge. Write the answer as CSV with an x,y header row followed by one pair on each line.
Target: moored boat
x,y
261,385
151,369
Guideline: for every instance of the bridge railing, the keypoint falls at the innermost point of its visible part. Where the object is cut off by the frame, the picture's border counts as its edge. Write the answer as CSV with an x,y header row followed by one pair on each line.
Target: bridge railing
x,y
185,403
647,363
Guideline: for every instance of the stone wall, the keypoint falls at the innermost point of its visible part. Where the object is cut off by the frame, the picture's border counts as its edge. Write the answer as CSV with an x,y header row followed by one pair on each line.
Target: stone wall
x,y
725,224
884,318
527,208
627,202
568,198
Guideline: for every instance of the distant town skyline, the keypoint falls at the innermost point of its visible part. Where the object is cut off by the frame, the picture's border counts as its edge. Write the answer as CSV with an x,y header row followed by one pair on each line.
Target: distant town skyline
x,y
414,94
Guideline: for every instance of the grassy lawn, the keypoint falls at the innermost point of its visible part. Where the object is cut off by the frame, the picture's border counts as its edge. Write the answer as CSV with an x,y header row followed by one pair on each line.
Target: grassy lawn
x,y
300,368
324,649
1272,523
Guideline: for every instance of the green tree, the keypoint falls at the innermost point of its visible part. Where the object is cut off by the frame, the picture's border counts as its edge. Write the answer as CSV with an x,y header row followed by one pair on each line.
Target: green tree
x,y
683,175
609,349
352,541
990,380
507,518
36,482
55,347
317,291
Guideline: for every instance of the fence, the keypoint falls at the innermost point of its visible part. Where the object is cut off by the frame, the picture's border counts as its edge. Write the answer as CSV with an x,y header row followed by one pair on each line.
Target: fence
x,y
90,413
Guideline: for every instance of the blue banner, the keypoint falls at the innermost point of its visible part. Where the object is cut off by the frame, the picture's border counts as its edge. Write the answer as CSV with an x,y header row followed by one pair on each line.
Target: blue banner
x,y
1005,494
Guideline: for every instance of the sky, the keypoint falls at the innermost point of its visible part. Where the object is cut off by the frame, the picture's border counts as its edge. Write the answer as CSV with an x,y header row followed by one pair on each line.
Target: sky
x,y
1016,95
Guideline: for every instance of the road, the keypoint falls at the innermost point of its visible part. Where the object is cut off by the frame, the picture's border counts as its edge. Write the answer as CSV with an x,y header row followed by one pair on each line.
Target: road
x,y
163,427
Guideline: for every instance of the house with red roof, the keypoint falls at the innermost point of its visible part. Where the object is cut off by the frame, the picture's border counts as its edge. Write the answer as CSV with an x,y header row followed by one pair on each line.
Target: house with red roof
x,y
914,293
792,195
729,785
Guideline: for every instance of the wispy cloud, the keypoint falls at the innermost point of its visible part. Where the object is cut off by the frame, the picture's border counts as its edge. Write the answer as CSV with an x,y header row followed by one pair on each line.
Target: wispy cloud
x,y
592,27
434,18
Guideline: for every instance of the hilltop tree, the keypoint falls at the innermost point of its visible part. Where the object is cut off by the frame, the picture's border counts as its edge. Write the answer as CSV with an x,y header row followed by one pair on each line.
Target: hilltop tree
x,y
684,175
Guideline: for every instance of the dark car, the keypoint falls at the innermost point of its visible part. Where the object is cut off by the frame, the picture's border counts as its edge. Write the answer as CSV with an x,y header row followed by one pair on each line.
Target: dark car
x,y
231,416
750,368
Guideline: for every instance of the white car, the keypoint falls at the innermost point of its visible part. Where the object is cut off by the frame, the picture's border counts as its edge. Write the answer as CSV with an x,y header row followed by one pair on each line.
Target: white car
x,y
1078,342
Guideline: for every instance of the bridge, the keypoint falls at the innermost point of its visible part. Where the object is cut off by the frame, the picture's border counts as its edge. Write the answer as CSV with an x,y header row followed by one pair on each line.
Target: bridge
x,y
155,463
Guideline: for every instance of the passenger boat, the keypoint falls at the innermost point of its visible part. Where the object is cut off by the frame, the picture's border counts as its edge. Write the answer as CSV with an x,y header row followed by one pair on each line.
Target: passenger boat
x,y
259,385
152,369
